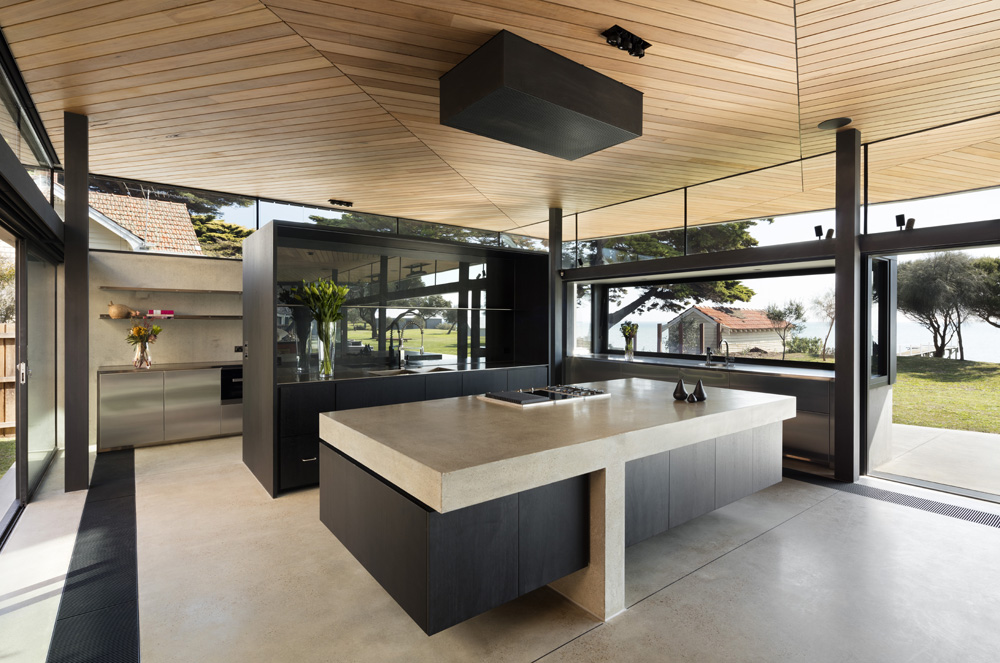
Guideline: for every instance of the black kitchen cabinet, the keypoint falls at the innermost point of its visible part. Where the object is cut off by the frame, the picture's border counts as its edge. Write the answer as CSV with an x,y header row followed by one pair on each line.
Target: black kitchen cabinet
x,y
443,385
526,377
371,392
479,382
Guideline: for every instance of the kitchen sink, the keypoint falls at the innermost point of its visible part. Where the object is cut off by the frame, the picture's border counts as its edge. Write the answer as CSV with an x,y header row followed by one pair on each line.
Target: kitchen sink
x,y
437,369
393,371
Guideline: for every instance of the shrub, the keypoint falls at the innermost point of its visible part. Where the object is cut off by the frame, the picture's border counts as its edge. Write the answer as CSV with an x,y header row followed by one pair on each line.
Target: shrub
x,y
805,345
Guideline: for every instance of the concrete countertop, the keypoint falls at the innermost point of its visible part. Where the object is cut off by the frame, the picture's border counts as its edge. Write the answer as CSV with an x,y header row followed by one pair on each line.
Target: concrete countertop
x,y
455,452
758,369
192,366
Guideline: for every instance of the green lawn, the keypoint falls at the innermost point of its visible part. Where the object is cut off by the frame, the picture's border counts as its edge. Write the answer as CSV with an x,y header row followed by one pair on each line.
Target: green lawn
x,y
436,341
6,454
947,393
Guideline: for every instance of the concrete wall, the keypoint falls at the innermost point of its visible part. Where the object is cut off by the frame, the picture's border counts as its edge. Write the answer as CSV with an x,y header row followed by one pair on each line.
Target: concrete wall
x,y
182,341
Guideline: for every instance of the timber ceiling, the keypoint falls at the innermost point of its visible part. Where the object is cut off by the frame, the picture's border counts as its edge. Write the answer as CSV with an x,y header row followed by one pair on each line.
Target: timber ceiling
x,y
305,100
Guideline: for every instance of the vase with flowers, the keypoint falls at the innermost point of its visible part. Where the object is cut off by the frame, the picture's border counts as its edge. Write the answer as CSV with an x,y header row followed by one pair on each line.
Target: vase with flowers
x,y
324,299
629,331
141,336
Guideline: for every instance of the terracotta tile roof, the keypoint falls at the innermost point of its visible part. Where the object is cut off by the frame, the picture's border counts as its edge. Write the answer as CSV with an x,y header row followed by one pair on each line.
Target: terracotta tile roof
x,y
740,319
165,226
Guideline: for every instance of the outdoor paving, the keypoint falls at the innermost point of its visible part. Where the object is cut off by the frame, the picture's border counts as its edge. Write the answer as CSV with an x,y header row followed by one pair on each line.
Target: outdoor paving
x,y
964,459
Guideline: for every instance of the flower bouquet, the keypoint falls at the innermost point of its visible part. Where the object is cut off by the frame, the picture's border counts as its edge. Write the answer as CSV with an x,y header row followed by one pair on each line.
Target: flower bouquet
x,y
141,336
323,298
629,331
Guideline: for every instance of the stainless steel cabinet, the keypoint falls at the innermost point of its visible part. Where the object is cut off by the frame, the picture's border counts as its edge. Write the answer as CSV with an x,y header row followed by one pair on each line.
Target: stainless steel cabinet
x,y
232,418
131,409
192,404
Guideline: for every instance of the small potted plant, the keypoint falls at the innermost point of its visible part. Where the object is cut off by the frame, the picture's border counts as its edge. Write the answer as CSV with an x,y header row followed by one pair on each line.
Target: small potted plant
x,y
141,336
323,298
629,330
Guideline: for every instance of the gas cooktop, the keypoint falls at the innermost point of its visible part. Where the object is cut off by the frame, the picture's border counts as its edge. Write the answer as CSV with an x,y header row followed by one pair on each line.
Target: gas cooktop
x,y
543,395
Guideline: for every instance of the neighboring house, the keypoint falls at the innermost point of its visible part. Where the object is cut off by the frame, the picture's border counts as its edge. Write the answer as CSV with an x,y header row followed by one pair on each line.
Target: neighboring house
x,y
703,326
163,226
127,223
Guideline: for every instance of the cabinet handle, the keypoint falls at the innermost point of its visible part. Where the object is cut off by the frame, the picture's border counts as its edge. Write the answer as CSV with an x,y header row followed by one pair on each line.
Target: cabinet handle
x,y
308,460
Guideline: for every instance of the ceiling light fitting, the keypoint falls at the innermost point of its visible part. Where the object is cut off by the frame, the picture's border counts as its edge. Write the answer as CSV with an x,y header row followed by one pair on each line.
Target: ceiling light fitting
x,y
624,40
340,203
834,123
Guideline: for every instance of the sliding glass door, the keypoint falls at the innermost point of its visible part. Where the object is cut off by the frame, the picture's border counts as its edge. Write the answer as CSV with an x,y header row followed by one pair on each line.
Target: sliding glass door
x,y
36,367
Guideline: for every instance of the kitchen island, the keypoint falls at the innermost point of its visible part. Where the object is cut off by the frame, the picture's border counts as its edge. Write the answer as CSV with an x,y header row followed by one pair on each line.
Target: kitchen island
x,y
458,505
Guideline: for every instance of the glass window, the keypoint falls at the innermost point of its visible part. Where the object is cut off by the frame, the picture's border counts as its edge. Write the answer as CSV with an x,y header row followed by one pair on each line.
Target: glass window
x,y
773,318
428,230
140,216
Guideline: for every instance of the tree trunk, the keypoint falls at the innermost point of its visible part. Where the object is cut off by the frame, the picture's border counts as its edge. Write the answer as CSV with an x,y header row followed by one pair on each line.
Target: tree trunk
x,y
630,308
827,339
958,332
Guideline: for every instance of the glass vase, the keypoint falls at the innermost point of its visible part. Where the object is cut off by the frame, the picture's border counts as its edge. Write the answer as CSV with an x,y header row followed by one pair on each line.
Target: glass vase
x,y
327,332
141,359
629,348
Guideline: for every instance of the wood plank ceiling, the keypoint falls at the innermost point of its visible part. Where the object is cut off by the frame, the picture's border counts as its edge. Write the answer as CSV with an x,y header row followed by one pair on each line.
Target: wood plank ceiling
x,y
305,100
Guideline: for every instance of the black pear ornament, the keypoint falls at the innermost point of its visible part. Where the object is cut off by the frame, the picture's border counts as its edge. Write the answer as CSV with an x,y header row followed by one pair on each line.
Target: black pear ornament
x,y
699,392
691,398
680,393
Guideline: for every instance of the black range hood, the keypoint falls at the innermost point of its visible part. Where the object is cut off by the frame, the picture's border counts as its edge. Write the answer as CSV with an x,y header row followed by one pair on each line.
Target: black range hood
x,y
517,92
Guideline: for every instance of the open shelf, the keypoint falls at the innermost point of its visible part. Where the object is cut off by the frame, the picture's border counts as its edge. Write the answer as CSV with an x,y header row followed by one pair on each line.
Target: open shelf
x,y
105,316
124,288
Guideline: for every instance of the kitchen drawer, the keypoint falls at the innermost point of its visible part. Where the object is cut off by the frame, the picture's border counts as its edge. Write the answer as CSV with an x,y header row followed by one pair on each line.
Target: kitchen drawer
x,y
810,395
651,372
299,406
191,404
527,377
443,385
371,392
589,370
298,465
232,419
480,382
807,435
709,377
130,409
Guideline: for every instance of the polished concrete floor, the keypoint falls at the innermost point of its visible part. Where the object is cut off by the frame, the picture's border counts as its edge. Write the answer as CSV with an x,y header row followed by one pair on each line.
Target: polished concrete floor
x,y
794,573
963,459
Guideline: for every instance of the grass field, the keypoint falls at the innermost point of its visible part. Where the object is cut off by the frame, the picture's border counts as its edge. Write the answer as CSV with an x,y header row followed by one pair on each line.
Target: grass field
x,y
437,341
947,393
6,454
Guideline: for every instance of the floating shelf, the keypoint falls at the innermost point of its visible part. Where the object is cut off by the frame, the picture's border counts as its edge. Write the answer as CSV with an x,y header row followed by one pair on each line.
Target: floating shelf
x,y
124,288
105,316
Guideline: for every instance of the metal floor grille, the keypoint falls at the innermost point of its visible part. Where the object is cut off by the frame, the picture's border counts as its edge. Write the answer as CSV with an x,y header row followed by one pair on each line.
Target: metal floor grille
x,y
98,618
950,510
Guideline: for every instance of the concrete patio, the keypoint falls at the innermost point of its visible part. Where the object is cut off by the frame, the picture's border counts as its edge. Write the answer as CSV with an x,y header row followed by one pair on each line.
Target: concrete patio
x,y
963,459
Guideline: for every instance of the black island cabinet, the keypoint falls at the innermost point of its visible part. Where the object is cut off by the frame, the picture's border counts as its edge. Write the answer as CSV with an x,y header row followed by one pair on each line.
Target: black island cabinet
x,y
403,292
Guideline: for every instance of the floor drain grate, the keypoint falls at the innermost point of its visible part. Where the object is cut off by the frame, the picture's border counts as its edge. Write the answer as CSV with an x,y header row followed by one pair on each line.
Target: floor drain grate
x,y
971,515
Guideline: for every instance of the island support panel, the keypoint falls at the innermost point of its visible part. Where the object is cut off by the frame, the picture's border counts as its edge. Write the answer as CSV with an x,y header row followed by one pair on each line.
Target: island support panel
x,y
670,488
443,568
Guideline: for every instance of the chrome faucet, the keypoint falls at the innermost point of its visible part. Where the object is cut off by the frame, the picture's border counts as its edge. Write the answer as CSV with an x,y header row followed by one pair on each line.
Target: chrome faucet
x,y
409,323
727,351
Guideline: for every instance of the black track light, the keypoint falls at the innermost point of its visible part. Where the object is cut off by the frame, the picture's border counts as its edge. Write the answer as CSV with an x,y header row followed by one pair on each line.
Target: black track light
x,y
900,221
819,232
622,39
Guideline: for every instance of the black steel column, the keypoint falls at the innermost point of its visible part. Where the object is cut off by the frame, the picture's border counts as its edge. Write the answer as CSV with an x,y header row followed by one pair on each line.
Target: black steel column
x,y
76,382
557,297
847,386
383,297
463,312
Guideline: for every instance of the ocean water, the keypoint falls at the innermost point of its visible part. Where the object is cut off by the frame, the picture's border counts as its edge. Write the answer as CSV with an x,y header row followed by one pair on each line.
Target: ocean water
x,y
982,341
